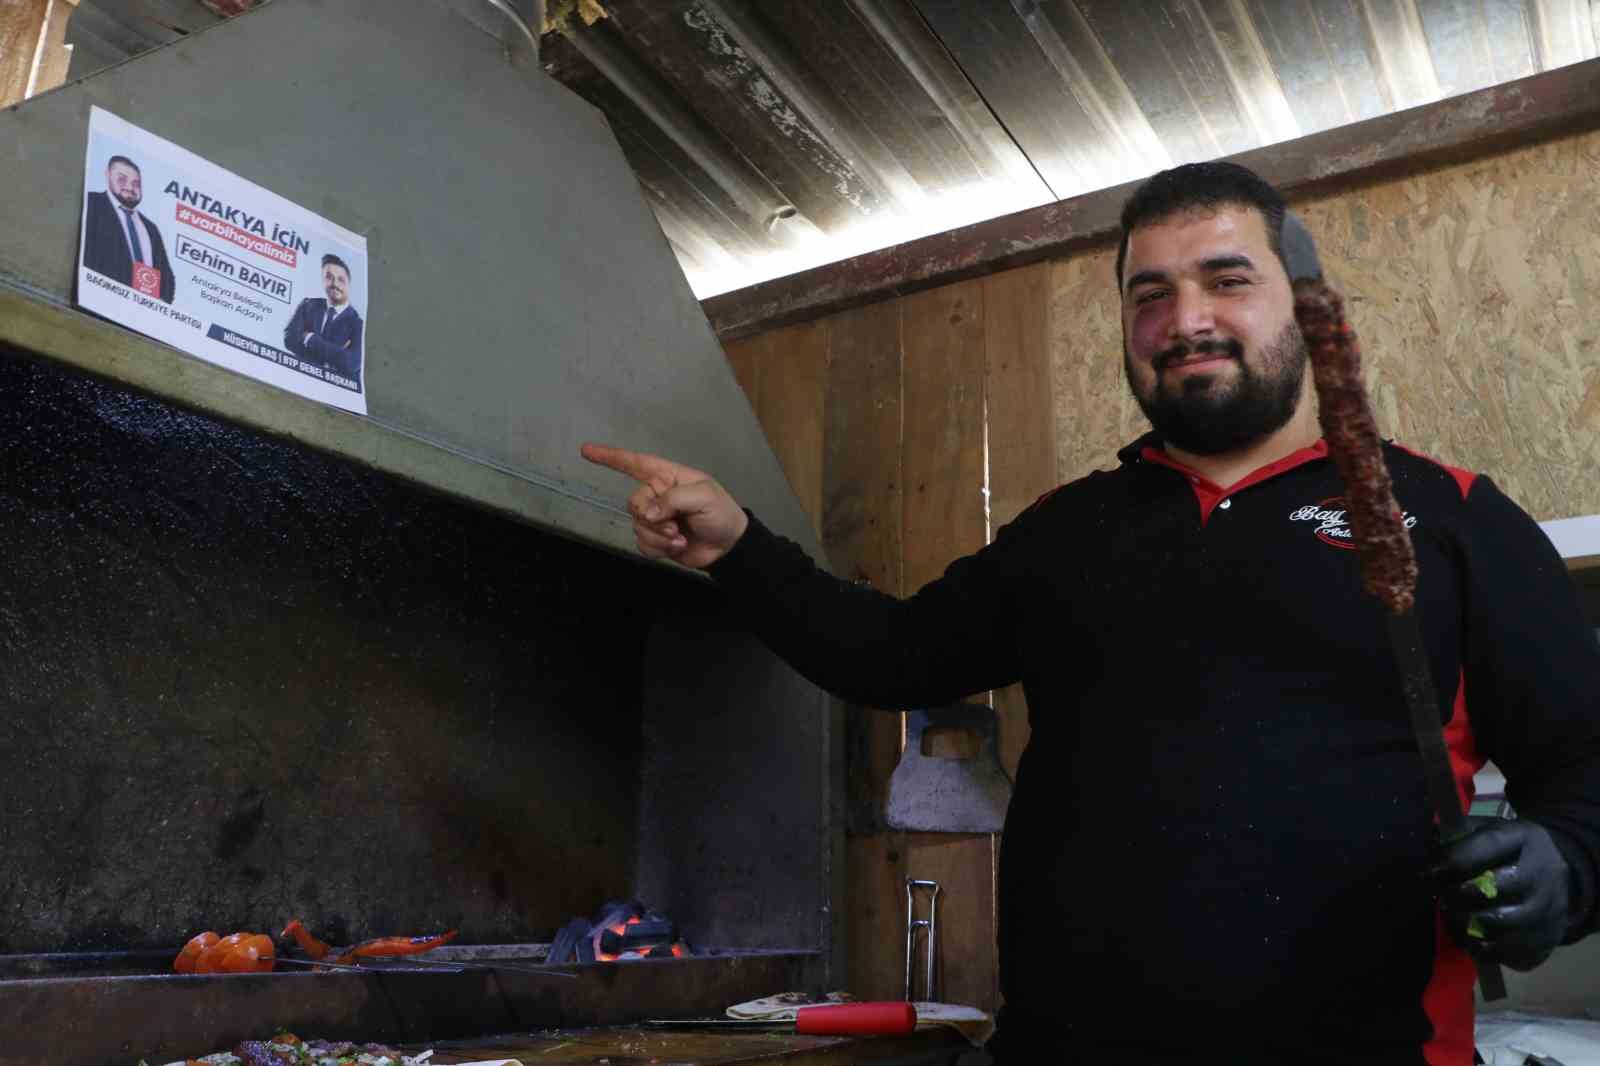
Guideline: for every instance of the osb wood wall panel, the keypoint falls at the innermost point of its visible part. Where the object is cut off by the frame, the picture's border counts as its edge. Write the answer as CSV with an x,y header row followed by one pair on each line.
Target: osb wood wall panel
x,y
1094,412
1475,290
908,389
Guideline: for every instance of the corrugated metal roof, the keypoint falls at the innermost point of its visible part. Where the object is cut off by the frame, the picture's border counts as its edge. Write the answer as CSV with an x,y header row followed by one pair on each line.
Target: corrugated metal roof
x,y
104,32
771,136
878,121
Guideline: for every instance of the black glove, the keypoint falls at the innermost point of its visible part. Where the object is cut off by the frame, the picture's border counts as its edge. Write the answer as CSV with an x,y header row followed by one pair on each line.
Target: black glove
x,y
1509,881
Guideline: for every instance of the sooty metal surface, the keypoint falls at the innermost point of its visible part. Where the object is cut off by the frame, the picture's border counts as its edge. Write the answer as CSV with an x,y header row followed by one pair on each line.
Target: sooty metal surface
x,y
241,682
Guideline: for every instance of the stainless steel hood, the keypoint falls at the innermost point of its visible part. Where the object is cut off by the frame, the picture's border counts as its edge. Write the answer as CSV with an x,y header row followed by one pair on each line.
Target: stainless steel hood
x,y
523,296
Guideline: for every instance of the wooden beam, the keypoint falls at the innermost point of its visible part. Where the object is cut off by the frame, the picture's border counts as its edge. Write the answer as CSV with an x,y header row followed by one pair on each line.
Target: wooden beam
x,y
22,23
55,55
1553,104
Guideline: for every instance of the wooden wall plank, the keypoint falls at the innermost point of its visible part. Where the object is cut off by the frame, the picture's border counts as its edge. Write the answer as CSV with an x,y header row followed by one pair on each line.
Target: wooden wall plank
x,y
790,387
863,506
1022,431
862,470
1022,427
875,920
943,457
898,423
943,443
861,533
964,866
746,357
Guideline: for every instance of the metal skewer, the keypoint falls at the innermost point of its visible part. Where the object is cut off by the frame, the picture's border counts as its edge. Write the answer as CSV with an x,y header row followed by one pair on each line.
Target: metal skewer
x,y
428,966
1416,676
498,967
316,964
1388,558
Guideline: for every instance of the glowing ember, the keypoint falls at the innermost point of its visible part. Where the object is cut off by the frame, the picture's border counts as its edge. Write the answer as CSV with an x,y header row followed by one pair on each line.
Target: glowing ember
x,y
621,932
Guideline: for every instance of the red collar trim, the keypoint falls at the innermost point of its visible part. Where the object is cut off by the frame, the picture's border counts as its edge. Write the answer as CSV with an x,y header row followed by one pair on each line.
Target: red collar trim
x,y
1209,493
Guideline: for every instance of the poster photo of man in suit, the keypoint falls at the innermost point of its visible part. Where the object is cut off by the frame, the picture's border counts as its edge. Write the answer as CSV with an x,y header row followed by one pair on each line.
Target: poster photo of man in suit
x,y
326,331
122,242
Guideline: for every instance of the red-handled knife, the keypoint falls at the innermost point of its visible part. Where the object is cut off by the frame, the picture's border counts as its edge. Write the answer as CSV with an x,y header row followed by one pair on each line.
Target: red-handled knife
x,y
890,1018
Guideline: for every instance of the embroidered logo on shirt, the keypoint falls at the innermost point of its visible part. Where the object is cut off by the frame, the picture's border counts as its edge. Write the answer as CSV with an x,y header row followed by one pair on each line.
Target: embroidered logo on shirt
x,y
1332,523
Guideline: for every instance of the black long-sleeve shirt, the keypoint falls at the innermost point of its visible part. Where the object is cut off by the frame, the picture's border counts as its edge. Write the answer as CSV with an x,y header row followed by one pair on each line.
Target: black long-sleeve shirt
x,y
1220,828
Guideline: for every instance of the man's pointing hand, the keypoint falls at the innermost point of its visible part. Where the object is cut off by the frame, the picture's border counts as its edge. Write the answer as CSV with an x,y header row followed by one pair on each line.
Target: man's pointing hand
x,y
679,513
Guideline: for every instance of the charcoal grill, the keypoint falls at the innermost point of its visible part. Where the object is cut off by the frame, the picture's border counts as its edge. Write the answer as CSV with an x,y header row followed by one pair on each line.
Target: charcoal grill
x,y
115,1008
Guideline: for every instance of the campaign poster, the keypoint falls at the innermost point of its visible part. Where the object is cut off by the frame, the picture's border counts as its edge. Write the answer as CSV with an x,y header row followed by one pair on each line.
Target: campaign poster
x,y
194,255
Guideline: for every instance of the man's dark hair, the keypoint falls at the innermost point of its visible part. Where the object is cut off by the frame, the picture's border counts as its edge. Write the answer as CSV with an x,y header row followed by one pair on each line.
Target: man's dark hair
x,y
1206,186
336,261
114,160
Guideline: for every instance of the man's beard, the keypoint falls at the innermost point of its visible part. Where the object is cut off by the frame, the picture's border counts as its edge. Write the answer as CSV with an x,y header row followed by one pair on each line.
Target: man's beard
x,y
129,201
1199,416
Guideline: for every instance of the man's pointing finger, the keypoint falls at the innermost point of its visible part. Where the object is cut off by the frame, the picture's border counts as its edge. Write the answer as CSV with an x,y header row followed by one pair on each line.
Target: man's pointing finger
x,y
640,466
618,459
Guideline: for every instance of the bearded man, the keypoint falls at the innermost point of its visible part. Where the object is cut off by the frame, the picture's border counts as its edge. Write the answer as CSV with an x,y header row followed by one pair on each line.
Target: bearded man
x,y
122,242
1220,845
